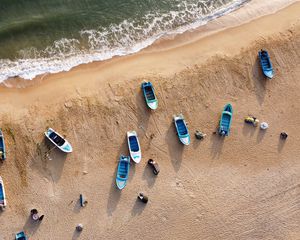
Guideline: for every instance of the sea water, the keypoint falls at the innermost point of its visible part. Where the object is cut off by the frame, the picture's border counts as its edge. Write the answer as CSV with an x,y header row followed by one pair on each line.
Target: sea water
x,y
49,36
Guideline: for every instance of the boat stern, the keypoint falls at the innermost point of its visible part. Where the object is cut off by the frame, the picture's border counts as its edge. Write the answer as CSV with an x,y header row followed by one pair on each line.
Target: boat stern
x,y
120,184
136,156
185,140
153,105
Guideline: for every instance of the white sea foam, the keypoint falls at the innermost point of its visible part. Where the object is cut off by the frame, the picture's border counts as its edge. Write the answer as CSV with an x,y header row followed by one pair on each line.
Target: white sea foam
x,y
116,40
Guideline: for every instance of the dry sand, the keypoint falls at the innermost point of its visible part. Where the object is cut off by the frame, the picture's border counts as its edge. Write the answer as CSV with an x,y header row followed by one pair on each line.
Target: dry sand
x,y
246,186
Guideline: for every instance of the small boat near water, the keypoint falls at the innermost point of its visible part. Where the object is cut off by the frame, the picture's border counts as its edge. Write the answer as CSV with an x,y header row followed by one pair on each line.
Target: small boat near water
x,y
2,146
58,141
123,171
182,130
265,63
2,194
149,95
134,146
225,122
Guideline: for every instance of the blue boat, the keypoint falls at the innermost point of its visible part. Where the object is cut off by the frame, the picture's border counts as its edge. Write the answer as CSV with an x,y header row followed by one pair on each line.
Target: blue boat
x,y
2,146
182,130
265,63
149,95
2,195
21,236
225,122
123,171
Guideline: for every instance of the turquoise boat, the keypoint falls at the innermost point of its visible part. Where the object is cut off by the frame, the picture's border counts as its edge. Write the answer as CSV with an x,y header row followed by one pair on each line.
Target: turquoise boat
x,y
225,122
123,171
182,130
265,63
2,146
21,236
149,94
2,195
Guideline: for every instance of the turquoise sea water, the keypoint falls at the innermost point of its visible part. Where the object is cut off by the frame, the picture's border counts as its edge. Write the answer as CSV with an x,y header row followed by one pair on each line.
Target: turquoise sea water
x,y
40,36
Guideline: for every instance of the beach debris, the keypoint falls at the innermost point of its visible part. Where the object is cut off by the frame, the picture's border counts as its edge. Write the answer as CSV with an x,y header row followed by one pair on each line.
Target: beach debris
x,y
143,197
264,125
252,120
68,104
82,200
199,135
85,172
283,135
79,227
154,166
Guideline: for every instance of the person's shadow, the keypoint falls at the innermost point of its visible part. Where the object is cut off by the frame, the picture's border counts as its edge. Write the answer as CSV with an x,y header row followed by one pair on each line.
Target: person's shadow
x,y
261,134
281,144
149,176
138,207
31,226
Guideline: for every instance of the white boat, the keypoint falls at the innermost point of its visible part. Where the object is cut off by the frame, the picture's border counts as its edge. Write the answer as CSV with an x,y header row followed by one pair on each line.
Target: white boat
x,y
58,141
134,146
2,194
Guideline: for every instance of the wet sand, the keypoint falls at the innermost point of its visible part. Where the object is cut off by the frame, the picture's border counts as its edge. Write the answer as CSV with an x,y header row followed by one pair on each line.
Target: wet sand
x,y
246,186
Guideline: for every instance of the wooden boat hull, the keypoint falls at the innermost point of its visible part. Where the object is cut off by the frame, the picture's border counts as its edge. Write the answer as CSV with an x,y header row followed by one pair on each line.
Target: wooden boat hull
x,y
134,146
65,147
123,171
266,64
149,95
2,194
225,121
182,130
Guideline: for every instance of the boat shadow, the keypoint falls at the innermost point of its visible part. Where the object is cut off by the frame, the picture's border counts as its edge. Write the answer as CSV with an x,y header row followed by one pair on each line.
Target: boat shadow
x,y
217,145
175,147
260,81
49,160
56,160
143,112
149,176
137,208
115,193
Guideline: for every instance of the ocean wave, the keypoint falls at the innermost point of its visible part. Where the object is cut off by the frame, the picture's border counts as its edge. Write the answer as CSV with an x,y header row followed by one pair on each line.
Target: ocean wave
x,y
128,37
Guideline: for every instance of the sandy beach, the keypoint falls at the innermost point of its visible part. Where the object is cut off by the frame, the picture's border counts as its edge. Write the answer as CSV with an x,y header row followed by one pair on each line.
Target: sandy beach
x,y
246,186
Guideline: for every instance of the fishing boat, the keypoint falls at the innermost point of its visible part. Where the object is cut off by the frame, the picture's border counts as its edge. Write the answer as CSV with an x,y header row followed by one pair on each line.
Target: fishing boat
x,y
134,146
2,146
182,130
58,141
265,63
21,236
225,121
149,95
123,171
2,194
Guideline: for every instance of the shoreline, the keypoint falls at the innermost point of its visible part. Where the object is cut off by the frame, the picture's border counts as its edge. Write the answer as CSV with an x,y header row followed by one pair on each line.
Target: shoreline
x,y
247,13
145,64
